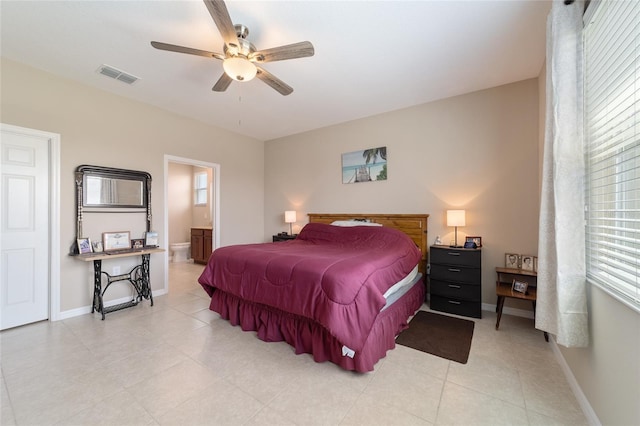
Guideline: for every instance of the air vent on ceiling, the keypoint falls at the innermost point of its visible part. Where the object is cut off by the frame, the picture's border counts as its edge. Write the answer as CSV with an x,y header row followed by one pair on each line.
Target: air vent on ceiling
x,y
117,74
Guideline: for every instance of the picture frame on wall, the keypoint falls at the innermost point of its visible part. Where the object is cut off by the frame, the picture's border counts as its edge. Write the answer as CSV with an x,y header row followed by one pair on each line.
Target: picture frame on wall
x,y
116,240
512,261
366,165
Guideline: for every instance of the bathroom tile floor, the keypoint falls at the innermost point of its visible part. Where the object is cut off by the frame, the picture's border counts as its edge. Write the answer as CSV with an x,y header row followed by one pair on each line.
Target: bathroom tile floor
x,y
177,363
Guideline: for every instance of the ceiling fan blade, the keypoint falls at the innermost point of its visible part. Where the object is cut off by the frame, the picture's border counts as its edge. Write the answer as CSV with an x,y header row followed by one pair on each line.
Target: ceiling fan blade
x,y
281,53
188,50
283,88
220,15
223,82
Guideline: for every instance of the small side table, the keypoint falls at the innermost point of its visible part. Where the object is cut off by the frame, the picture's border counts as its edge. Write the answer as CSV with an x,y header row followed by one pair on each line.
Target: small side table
x,y
284,237
505,277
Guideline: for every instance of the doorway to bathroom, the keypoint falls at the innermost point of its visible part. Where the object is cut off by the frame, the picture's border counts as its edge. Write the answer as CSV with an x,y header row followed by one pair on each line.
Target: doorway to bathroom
x,y
192,202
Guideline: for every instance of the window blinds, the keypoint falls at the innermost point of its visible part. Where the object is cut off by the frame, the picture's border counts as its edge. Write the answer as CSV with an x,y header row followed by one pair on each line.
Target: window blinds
x,y
612,146
200,187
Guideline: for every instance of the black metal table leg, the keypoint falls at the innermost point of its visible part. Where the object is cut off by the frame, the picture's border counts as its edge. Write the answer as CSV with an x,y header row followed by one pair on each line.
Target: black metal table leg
x,y
138,277
146,288
97,288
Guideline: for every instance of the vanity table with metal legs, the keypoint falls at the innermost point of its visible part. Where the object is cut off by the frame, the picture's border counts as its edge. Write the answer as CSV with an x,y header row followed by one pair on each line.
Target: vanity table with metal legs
x,y
138,277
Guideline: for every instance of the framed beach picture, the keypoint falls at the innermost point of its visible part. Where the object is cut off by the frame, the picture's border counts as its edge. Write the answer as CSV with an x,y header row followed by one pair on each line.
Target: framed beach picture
x,y
366,165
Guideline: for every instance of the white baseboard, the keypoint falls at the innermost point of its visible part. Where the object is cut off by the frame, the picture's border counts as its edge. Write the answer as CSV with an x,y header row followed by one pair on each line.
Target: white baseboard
x,y
87,309
160,292
74,313
588,411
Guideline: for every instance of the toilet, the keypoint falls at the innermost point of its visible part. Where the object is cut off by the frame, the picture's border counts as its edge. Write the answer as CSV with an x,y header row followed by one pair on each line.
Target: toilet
x,y
180,251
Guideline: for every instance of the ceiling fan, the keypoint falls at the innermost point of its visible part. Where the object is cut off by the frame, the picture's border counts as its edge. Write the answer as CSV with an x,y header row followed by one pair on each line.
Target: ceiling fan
x,y
240,58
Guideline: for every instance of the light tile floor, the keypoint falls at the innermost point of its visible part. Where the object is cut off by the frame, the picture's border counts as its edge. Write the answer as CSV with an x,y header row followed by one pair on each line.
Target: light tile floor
x,y
177,363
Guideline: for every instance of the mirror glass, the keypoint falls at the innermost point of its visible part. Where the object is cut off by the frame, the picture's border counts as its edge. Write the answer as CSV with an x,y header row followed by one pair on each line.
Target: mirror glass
x,y
101,191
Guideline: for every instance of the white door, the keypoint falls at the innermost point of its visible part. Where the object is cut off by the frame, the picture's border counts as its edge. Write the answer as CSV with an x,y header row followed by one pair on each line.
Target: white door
x,y
24,229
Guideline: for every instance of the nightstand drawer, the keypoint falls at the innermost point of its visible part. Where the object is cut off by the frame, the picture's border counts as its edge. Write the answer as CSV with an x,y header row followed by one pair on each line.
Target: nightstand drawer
x,y
455,306
455,256
456,291
459,274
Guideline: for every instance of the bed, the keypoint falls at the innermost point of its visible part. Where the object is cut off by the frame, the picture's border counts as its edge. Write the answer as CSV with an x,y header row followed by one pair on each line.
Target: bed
x,y
339,293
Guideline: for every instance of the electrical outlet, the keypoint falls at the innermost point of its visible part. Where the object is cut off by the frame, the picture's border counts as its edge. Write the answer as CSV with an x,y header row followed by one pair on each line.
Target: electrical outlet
x,y
116,270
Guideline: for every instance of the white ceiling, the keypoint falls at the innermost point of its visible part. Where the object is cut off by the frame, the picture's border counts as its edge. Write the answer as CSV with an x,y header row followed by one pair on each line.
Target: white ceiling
x,y
370,56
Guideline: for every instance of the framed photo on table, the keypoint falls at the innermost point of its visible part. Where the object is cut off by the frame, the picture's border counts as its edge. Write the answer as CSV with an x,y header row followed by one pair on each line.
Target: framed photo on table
x,y
520,286
97,246
137,243
151,239
476,240
511,260
527,263
84,245
116,240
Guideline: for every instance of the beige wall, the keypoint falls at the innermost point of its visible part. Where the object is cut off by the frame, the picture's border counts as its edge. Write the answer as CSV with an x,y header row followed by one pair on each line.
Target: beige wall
x,y
180,192
608,371
478,152
104,129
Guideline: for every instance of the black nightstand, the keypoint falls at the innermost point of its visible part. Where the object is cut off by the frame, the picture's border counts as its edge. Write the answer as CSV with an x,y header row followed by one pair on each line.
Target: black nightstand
x,y
455,280
284,237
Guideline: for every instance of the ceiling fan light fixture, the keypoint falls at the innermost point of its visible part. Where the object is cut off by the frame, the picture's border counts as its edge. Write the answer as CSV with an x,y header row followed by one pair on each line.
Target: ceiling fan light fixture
x,y
239,69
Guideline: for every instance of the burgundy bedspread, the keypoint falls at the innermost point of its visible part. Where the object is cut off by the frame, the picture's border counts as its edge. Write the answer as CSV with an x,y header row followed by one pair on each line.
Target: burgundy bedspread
x,y
333,275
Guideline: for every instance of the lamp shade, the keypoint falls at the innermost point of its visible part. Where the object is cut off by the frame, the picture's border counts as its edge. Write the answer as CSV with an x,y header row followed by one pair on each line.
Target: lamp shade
x,y
455,218
290,216
239,69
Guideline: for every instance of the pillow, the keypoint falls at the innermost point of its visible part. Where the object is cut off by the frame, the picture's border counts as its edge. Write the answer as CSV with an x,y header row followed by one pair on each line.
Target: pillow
x,y
354,222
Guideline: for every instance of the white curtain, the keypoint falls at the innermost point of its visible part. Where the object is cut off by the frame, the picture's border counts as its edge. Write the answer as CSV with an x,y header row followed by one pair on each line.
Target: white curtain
x,y
561,305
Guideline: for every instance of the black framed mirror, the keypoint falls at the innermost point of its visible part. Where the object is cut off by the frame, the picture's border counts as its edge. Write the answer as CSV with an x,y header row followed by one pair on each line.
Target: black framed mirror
x,y
103,189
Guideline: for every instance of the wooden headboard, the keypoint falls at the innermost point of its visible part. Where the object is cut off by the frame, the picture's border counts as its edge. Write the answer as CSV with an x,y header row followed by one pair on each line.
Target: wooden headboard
x,y
414,225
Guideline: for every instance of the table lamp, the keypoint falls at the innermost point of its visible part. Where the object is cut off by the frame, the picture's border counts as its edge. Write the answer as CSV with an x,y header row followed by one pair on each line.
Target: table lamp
x,y
290,218
456,218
